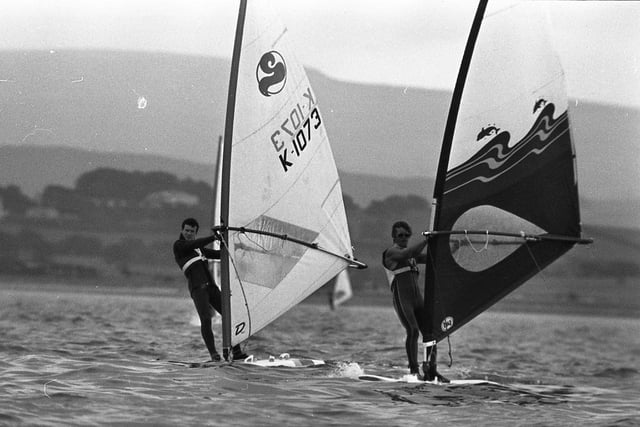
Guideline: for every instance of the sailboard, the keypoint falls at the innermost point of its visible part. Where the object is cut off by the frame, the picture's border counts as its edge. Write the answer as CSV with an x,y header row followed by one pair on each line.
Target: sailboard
x,y
341,291
283,225
189,364
505,199
283,361
416,379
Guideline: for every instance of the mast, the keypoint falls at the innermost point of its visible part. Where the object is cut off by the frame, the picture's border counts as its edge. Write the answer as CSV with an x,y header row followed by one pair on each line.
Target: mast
x,y
214,204
429,341
216,184
226,170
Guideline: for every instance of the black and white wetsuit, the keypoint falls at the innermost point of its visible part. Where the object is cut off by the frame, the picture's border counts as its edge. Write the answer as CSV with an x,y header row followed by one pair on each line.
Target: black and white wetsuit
x,y
192,257
407,302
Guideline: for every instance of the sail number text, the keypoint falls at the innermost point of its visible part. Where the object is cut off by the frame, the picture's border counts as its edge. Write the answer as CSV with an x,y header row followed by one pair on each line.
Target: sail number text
x,y
299,127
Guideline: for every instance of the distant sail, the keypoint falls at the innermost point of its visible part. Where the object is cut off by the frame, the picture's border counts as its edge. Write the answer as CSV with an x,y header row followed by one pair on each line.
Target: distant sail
x,y
506,196
341,291
281,194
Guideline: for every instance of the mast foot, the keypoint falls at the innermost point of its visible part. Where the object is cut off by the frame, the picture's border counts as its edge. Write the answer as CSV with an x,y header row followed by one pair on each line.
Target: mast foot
x,y
429,364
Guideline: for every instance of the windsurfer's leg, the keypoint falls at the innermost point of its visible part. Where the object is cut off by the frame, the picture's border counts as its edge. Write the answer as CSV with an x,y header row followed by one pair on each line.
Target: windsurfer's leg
x,y
429,367
200,299
215,300
207,336
406,315
215,297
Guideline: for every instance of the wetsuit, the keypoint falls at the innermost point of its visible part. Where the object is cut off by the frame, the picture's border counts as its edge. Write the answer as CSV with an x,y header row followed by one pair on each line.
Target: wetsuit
x,y
192,256
407,302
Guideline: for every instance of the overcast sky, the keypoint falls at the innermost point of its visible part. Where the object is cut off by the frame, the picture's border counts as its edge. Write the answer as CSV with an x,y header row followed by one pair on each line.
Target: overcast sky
x,y
401,42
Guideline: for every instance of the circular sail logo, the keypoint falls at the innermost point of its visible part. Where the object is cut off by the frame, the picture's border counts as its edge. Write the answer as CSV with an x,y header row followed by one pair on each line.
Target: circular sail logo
x,y
446,324
271,73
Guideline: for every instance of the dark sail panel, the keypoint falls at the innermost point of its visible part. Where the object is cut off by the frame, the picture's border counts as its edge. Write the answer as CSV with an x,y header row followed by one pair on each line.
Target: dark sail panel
x,y
511,191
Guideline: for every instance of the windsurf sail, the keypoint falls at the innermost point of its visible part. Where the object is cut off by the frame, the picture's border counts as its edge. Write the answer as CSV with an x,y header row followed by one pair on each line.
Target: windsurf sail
x,y
505,201
341,291
284,227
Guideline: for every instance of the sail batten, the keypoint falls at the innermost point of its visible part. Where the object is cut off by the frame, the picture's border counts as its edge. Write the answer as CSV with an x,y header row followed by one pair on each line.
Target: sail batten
x,y
506,197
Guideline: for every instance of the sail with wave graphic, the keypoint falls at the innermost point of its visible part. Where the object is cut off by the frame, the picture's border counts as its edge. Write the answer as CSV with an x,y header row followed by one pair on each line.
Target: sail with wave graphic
x,y
506,195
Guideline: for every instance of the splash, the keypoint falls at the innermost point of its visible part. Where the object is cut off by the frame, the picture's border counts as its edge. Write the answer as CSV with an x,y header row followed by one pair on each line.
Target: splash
x,y
347,370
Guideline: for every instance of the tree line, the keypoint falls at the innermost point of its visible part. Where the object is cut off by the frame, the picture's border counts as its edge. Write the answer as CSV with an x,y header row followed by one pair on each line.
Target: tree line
x,y
125,219
130,218
110,197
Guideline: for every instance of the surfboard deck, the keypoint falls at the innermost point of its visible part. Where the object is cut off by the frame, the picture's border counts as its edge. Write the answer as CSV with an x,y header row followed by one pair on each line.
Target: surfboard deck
x,y
187,364
284,360
415,379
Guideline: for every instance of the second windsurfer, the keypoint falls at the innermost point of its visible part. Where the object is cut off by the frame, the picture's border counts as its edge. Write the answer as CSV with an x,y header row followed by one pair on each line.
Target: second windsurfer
x,y
401,265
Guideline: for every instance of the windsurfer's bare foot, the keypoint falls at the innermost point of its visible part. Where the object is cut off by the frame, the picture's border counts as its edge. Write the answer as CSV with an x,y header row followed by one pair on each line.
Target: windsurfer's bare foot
x,y
442,379
418,375
215,357
432,374
238,354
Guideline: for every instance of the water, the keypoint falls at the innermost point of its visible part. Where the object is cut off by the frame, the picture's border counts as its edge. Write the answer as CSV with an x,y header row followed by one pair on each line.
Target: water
x,y
69,358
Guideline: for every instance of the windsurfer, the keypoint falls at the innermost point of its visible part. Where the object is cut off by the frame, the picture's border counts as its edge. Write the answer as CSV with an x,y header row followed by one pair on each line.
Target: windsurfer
x,y
192,255
400,263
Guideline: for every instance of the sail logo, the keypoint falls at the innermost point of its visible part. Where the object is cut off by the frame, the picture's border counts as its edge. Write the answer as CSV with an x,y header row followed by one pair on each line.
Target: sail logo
x,y
271,73
240,328
500,159
489,130
446,324
297,130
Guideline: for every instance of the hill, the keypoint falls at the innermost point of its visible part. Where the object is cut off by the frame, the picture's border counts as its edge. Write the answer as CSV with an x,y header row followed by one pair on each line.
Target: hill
x,y
33,167
173,106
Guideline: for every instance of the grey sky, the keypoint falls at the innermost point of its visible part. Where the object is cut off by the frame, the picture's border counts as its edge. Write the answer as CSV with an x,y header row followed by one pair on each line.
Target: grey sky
x,y
402,42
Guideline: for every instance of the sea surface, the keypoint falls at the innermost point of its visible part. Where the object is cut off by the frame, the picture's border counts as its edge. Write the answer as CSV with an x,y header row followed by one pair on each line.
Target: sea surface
x,y
70,357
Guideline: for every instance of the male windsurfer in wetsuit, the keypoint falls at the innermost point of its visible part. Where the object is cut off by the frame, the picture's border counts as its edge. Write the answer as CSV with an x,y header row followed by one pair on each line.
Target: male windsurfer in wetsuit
x,y
192,255
400,263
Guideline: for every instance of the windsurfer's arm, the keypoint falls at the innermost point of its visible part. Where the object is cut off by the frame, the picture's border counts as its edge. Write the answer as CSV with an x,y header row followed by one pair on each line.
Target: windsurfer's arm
x,y
396,254
183,246
421,259
211,253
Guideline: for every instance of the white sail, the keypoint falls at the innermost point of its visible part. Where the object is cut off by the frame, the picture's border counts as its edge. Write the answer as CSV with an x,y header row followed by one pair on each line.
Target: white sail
x,y
342,291
217,188
515,71
282,181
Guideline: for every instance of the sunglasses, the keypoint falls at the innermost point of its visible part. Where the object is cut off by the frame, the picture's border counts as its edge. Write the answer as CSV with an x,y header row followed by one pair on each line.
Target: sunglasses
x,y
403,235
